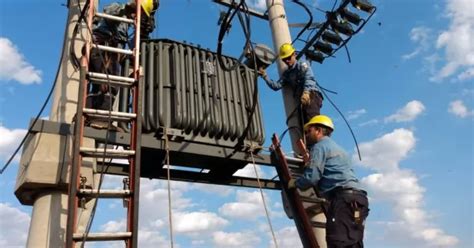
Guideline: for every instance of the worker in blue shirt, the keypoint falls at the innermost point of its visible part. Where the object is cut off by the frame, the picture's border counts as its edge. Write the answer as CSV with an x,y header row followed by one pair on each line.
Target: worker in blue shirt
x,y
330,173
300,76
114,34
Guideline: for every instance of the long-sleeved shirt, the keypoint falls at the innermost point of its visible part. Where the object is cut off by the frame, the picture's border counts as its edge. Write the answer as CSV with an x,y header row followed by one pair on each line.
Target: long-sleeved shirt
x,y
116,31
330,167
300,76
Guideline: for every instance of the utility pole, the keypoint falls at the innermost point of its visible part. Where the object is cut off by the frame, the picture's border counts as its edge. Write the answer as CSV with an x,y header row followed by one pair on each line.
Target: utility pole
x,y
42,179
281,34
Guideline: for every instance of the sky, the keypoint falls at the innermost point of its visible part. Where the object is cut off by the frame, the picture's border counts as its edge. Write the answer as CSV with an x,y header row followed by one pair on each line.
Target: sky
x,y
407,93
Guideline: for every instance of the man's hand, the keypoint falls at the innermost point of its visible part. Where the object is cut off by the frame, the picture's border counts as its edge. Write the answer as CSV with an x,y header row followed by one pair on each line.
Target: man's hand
x,y
262,72
305,98
292,183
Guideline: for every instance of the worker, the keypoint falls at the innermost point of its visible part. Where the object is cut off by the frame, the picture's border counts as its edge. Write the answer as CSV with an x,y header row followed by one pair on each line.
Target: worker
x,y
330,173
114,34
300,76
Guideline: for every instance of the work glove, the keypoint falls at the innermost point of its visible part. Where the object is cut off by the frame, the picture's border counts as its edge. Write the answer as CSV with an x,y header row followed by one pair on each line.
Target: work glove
x,y
262,72
292,184
305,98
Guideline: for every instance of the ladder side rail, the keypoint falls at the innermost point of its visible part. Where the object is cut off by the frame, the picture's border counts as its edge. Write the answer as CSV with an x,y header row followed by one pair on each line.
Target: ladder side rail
x,y
301,218
76,158
136,125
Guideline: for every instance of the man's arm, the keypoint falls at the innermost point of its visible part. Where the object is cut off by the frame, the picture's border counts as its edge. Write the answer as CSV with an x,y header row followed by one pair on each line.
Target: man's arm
x,y
272,84
314,171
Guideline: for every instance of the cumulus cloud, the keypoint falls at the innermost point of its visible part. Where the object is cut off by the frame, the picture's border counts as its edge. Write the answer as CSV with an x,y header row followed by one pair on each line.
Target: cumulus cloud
x,y
457,42
355,114
408,113
236,239
248,206
400,187
10,138
14,66
420,36
458,109
197,222
288,237
14,225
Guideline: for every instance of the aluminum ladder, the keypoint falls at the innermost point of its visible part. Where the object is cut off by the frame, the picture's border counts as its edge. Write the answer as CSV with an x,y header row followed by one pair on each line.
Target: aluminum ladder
x,y
300,203
130,194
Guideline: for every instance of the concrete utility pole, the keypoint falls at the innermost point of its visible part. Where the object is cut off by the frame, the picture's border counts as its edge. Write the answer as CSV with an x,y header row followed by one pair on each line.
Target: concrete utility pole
x,y
280,35
42,179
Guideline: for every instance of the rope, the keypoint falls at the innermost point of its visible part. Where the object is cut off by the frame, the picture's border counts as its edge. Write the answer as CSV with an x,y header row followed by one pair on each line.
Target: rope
x,y
169,185
263,199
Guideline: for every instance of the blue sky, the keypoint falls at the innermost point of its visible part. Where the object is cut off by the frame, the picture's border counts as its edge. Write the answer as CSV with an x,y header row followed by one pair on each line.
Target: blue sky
x,y
408,94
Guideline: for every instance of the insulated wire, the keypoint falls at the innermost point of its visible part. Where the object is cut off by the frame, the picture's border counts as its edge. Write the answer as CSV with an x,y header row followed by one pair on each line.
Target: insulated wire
x,y
30,129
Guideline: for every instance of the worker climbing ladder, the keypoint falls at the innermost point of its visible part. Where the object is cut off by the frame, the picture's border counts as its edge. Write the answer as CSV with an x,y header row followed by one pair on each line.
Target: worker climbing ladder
x,y
78,191
303,205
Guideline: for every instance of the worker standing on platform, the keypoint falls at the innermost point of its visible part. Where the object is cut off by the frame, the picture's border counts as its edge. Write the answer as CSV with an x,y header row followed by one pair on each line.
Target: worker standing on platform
x,y
299,75
114,34
330,172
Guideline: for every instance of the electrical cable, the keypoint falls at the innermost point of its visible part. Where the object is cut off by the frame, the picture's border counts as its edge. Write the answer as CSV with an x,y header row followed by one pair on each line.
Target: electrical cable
x,y
308,24
347,123
37,117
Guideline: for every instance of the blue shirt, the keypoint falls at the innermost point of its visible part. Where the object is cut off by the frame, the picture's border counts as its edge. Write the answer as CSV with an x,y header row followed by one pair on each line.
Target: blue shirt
x,y
300,76
330,167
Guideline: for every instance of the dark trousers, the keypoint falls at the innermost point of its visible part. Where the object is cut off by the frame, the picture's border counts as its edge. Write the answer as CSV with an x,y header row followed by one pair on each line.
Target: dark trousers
x,y
314,107
346,215
100,96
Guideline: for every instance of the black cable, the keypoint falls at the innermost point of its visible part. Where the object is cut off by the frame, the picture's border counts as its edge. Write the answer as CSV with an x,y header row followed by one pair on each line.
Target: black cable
x,y
308,24
347,123
40,112
225,25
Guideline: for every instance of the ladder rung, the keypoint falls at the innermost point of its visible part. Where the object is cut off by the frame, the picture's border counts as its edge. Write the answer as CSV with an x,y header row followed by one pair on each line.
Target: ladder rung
x,y
105,114
312,199
115,18
105,193
294,160
102,236
109,153
113,79
113,49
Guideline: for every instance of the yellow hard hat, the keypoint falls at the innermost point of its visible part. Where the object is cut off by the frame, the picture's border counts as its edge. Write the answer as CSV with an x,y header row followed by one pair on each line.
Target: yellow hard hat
x,y
321,120
147,6
286,50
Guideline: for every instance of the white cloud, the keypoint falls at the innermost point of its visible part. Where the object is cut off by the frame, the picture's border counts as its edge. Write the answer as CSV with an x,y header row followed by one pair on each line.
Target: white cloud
x,y
408,113
288,237
248,206
14,66
197,222
14,225
421,36
400,187
213,189
10,139
356,114
236,239
115,226
249,171
457,41
458,109
259,5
